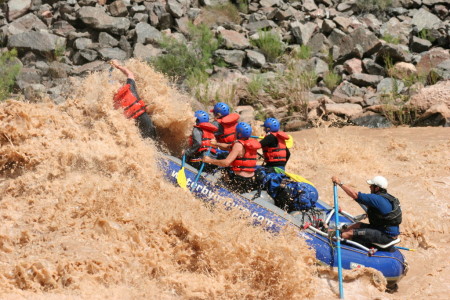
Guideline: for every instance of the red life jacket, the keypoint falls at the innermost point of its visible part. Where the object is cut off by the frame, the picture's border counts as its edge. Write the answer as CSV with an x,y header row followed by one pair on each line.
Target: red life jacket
x,y
229,128
275,154
132,106
247,163
208,130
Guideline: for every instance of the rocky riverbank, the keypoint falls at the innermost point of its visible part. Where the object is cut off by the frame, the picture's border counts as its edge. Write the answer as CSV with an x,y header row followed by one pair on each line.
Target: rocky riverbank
x,y
370,63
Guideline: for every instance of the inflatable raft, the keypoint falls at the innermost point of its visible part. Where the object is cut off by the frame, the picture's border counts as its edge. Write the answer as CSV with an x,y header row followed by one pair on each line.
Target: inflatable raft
x,y
389,261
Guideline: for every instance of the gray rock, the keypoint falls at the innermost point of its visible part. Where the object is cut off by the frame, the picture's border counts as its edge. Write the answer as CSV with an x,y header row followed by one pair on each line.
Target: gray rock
x,y
82,43
232,57
112,53
107,40
397,29
26,23
118,9
58,70
97,18
35,92
146,52
345,109
442,70
260,25
63,28
419,45
177,7
319,44
309,5
424,19
302,32
390,85
89,54
328,26
361,79
125,46
269,3
234,40
255,59
36,41
371,67
28,76
17,8
371,120
395,52
140,17
145,33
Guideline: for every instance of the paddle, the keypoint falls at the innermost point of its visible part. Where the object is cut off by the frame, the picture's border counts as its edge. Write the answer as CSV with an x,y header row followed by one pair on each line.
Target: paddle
x,y
200,171
295,177
181,175
289,141
404,248
338,242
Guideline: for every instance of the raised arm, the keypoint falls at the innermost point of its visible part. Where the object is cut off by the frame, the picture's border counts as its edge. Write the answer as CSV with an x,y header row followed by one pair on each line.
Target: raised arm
x,y
124,70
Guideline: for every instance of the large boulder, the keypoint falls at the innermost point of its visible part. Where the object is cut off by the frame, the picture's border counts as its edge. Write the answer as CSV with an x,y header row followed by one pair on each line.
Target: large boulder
x,y
17,8
97,18
36,41
431,95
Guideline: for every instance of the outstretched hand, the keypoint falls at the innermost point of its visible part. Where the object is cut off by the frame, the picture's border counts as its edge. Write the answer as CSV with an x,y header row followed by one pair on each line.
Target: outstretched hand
x,y
114,63
335,180
206,159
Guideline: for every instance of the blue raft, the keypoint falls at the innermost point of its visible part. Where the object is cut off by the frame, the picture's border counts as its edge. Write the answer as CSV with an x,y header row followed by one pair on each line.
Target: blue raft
x,y
391,264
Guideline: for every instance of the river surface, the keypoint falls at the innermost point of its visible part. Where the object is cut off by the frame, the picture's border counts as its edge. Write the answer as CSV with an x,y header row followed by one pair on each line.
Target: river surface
x,y
86,214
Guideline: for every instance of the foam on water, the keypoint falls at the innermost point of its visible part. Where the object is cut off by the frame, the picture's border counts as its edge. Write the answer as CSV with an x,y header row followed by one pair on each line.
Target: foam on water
x,y
86,214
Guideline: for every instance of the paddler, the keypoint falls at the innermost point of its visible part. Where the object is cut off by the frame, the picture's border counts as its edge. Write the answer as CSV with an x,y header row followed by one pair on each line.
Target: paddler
x,y
383,211
128,99
275,152
242,160
200,141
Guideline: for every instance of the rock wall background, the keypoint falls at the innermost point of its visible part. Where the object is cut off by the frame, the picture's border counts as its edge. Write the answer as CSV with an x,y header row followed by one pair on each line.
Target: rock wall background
x,y
383,54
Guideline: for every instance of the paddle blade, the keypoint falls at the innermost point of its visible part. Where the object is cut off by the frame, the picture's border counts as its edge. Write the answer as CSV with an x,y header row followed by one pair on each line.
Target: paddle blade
x,y
290,141
299,178
181,178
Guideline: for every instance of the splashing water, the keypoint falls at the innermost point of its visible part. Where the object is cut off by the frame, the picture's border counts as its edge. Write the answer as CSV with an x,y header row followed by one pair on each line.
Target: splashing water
x,y
86,214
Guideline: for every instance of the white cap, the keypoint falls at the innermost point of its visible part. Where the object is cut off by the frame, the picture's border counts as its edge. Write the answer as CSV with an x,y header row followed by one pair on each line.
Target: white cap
x,y
379,181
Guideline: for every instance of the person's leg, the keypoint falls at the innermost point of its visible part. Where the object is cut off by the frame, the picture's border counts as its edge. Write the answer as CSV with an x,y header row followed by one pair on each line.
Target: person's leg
x,y
370,235
146,127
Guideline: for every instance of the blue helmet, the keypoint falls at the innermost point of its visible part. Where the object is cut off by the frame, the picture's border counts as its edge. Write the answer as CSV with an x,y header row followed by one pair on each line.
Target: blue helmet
x,y
271,125
243,130
222,109
202,116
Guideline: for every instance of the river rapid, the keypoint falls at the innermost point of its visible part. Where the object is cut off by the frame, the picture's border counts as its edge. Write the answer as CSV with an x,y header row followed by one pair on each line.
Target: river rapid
x,y
86,214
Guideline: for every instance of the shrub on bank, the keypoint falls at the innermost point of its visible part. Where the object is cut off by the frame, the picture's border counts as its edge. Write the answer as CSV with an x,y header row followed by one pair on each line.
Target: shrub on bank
x,y
9,69
270,45
188,62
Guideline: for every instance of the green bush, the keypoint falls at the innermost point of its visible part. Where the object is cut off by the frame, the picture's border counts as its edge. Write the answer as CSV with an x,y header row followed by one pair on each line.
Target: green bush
x,y
223,13
9,69
391,39
426,35
374,6
303,52
331,80
270,45
188,61
256,85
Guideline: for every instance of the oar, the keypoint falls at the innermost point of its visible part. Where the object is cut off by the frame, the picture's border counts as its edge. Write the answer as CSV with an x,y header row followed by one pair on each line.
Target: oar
x,y
200,171
295,177
290,141
338,242
181,176
404,248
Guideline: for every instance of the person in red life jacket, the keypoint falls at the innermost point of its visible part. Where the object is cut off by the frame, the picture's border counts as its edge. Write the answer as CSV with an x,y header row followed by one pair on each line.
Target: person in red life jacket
x,y
242,161
200,141
128,99
226,127
275,152
383,210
